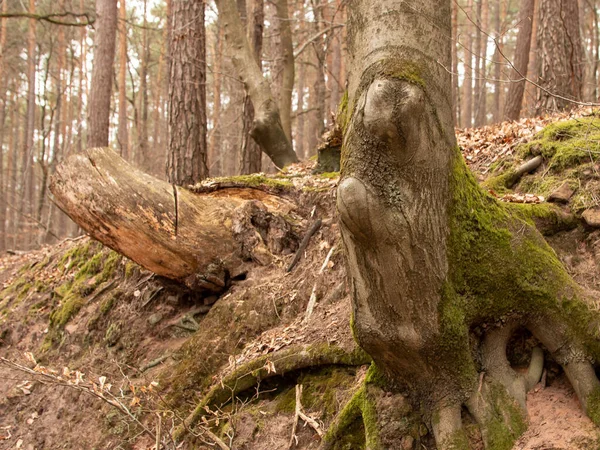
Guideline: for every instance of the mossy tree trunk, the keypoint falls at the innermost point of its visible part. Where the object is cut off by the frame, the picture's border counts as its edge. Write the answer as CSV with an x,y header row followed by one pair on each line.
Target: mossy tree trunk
x,y
441,273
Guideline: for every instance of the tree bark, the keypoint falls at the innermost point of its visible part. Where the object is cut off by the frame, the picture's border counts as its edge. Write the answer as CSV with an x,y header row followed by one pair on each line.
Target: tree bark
x,y
514,98
561,52
102,73
202,240
122,133
287,56
187,94
215,152
3,99
267,129
467,103
250,154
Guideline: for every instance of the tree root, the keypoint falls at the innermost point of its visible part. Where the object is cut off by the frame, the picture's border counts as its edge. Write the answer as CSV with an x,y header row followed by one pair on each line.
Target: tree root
x,y
268,366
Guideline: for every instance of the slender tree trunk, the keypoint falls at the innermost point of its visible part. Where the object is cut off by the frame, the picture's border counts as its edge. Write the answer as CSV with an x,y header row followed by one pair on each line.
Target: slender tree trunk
x,y
14,145
250,154
467,103
497,114
187,94
477,69
267,129
142,155
102,73
25,186
455,77
561,51
122,133
514,99
3,98
216,154
481,117
287,55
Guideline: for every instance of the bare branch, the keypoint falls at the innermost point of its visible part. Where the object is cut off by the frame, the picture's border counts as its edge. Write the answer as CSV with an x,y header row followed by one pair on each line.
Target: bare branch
x,y
53,18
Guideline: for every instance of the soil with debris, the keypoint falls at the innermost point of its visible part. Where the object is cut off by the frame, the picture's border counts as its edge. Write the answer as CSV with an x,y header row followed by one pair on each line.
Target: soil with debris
x,y
88,337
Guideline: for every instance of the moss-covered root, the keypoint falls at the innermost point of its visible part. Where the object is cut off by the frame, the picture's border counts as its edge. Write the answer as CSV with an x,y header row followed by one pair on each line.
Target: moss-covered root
x,y
268,366
447,428
500,417
374,419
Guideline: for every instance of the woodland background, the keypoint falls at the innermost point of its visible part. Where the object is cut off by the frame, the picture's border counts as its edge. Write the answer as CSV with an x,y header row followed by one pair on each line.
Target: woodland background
x,y
511,59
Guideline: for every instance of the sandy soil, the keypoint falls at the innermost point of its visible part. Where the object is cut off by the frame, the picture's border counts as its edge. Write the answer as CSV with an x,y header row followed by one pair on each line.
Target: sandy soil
x,y
557,421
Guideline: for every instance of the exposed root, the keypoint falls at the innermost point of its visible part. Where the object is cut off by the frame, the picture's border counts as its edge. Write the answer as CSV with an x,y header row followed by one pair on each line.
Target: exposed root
x,y
268,366
447,428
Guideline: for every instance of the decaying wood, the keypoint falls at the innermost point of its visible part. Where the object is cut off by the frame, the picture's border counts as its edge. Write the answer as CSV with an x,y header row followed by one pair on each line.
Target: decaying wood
x,y
200,240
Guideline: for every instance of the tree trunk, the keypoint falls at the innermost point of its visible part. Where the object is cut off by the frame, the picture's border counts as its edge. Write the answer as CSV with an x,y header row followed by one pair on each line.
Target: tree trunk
x,y
481,116
202,240
142,155
467,104
215,152
3,99
287,56
441,273
122,133
25,185
102,73
267,130
561,51
187,94
514,99
496,112
250,154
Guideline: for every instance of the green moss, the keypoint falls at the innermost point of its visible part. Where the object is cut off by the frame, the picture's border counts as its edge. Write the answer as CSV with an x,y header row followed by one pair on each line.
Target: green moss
x,y
69,306
404,70
129,269
499,266
458,441
256,180
343,113
107,304
502,182
330,175
566,144
593,406
507,422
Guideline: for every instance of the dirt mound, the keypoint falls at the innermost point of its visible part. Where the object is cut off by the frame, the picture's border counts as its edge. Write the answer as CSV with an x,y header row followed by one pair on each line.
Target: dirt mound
x,y
157,350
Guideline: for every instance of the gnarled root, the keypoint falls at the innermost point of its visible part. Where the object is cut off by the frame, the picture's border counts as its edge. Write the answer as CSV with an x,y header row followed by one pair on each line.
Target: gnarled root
x,y
268,366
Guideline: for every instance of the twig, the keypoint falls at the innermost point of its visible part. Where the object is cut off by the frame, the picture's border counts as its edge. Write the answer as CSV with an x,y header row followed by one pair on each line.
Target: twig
x,y
222,445
155,362
300,414
312,230
294,438
313,296
158,431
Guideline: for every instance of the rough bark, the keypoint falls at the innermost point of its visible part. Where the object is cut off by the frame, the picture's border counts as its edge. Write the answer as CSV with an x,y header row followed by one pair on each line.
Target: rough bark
x,y
287,57
481,115
3,98
250,154
561,52
267,129
202,240
514,98
122,133
467,103
215,153
102,73
441,273
187,94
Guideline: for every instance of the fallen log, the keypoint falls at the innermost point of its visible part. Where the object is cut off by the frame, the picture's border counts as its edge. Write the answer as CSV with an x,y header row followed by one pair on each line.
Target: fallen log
x,y
201,240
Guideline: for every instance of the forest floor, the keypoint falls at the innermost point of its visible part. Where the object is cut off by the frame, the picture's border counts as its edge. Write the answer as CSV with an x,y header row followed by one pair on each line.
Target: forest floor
x,y
76,318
